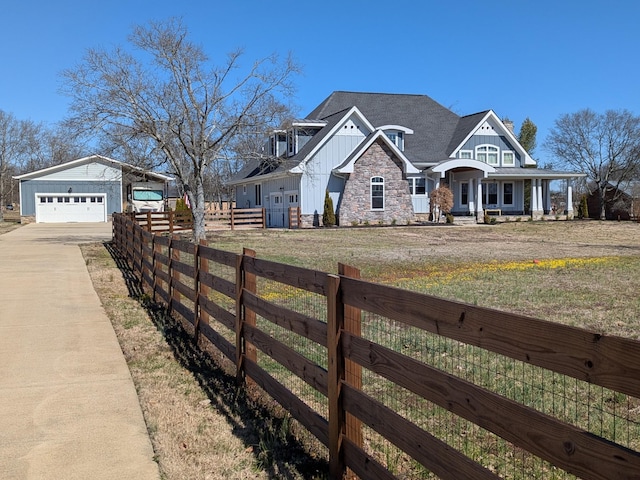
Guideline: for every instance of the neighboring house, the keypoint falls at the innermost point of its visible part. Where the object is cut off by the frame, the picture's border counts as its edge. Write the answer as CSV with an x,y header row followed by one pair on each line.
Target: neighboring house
x,y
380,155
620,204
88,189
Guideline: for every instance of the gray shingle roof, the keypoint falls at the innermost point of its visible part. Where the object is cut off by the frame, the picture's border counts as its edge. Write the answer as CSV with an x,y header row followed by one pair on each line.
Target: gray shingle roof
x,y
433,124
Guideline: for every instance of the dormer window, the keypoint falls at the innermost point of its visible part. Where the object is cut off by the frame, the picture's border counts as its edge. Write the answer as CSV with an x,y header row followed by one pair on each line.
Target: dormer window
x,y
397,138
277,143
396,134
291,142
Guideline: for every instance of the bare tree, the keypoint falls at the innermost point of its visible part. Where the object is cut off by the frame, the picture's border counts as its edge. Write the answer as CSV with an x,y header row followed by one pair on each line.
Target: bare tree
x,y
604,146
169,95
441,201
19,144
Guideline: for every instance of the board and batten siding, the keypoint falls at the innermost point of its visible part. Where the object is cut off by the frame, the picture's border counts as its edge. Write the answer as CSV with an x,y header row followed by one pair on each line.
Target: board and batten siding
x,y
495,140
93,171
317,176
29,188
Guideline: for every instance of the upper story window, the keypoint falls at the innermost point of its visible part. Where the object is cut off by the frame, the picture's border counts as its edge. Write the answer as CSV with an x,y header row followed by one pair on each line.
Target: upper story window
x,y
487,154
465,154
377,193
508,159
277,143
397,138
396,133
291,142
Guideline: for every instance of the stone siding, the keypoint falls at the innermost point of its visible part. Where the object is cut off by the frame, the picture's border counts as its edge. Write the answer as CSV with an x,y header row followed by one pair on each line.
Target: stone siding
x,y
355,205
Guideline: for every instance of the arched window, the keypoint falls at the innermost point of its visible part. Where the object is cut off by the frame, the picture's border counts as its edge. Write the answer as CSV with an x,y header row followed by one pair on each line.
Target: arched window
x,y
377,193
487,154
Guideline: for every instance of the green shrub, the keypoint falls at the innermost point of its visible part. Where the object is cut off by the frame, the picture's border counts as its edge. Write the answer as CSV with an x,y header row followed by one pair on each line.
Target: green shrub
x,y
181,205
450,218
328,215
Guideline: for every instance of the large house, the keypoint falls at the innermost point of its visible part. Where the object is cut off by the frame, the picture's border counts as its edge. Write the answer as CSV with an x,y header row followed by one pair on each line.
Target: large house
x,y
380,155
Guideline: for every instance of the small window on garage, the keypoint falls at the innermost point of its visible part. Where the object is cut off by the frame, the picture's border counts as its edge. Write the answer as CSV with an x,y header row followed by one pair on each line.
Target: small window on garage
x,y
66,199
60,199
99,199
83,199
76,199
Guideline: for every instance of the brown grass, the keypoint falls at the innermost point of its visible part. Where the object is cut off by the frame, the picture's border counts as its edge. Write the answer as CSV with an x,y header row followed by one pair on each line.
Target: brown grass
x,y
200,426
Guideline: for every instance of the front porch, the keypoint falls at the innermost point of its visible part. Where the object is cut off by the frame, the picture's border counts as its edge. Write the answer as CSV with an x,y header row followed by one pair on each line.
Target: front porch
x,y
507,194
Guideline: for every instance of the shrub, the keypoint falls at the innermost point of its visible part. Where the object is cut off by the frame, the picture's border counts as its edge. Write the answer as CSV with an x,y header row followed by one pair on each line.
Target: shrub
x,y
181,205
583,211
441,201
328,215
450,218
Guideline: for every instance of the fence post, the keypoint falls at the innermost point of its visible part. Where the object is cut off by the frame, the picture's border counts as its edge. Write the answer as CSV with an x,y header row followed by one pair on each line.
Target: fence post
x,y
244,281
137,233
171,219
336,373
233,219
174,275
353,371
264,218
149,228
156,250
202,267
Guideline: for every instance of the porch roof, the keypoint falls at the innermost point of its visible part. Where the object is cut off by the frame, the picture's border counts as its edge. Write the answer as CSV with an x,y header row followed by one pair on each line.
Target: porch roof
x,y
517,173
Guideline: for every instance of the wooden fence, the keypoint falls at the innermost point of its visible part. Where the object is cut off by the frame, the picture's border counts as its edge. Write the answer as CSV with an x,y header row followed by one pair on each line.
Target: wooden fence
x,y
184,277
175,221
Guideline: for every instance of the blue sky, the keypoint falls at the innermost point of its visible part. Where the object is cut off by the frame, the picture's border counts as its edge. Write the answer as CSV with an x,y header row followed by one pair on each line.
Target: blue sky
x,y
537,59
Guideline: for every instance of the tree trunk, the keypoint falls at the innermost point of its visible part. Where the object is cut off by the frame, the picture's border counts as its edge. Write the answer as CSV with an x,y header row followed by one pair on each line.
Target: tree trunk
x,y
603,206
199,232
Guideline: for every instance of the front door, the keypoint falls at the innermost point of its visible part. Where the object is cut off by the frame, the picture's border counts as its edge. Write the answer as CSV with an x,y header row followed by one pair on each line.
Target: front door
x,y
276,212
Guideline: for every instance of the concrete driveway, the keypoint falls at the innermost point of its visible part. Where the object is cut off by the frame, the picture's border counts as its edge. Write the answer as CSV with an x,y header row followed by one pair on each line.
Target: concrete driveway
x,y
68,406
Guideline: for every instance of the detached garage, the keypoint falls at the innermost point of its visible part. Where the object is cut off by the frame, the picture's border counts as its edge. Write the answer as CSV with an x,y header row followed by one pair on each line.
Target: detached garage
x,y
89,189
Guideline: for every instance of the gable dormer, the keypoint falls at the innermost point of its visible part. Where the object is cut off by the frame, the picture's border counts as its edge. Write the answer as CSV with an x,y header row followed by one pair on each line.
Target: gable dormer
x,y
396,133
298,133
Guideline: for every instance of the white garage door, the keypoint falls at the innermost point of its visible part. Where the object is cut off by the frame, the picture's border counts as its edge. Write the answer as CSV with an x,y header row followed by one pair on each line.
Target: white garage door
x,y
76,207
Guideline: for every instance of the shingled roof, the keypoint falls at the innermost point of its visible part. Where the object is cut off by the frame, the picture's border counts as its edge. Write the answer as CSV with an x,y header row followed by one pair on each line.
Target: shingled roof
x,y
433,124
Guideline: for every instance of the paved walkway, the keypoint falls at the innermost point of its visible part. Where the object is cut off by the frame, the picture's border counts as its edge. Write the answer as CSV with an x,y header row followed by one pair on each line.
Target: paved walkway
x,y
68,406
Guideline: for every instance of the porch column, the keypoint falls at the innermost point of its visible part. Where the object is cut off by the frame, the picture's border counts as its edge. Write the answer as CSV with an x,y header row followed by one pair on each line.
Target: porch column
x,y
534,196
471,196
479,209
540,204
569,200
547,195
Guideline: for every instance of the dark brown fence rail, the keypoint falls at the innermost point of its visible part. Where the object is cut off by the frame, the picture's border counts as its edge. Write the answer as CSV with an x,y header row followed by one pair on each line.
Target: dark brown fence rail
x,y
397,384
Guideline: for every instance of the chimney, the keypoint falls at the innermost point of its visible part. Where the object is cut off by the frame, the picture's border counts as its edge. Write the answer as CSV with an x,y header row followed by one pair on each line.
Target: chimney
x,y
509,124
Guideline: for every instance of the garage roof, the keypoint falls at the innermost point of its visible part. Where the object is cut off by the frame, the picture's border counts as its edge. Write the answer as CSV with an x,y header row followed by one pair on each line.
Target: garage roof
x,y
80,161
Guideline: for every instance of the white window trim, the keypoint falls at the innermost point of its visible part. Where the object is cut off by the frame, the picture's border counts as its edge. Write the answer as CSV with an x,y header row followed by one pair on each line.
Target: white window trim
x,y
513,194
412,187
488,146
258,192
470,152
244,189
513,156
460,199
371,193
